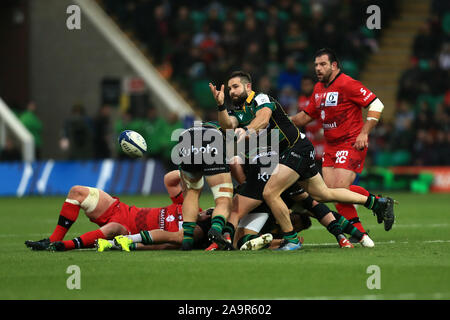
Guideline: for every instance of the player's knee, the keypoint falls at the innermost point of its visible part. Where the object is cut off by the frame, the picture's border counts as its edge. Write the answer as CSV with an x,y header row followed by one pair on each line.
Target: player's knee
x,y
224,202
113,229
78,193
269,194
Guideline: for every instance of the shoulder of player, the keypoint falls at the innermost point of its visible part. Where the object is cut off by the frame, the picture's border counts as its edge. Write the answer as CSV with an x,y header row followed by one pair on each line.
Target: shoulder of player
x,y
262,98
344,81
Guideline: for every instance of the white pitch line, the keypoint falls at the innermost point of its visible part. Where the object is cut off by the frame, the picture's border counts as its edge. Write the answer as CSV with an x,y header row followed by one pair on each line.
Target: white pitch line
x,y
434,225
398,296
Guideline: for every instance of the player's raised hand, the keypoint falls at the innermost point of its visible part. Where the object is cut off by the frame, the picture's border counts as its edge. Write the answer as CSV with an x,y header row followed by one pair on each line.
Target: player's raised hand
x,y
219,95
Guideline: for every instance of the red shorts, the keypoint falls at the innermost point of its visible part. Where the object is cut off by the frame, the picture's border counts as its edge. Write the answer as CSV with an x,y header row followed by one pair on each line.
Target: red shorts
x,y
136,219
344,156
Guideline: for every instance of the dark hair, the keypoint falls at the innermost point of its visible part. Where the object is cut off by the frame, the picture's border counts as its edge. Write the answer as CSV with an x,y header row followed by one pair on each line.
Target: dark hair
x,y
330,53
244,76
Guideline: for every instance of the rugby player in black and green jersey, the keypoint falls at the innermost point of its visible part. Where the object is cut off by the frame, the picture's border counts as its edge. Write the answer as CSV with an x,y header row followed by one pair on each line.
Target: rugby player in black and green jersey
x,y
252,114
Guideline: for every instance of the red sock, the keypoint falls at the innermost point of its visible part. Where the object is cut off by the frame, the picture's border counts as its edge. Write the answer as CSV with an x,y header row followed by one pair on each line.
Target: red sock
x,y
359,190
349,212
67,216
86,240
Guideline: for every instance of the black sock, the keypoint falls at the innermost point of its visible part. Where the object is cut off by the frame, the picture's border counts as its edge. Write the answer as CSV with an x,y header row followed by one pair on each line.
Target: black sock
x,y
335,229
347,227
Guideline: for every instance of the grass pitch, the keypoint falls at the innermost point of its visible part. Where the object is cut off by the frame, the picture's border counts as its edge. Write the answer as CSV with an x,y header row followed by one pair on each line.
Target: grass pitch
x,y
413,260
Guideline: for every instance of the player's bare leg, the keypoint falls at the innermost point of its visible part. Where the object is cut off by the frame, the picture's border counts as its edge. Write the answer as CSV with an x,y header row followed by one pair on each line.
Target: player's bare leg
x,y
222,188
343,178
193,186
382,207
327,218
93,201
241,207
282,178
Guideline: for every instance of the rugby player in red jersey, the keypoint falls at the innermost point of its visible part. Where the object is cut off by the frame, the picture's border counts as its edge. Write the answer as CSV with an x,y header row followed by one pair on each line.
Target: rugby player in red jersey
x,y
338,100
116,218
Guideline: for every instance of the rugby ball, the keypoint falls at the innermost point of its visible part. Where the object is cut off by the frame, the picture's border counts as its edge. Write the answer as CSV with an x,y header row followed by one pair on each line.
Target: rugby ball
x,y
132,144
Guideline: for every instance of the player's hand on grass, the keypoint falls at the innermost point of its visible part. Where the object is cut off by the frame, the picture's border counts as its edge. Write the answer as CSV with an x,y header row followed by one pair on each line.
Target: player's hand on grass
x,y
219,95
362,141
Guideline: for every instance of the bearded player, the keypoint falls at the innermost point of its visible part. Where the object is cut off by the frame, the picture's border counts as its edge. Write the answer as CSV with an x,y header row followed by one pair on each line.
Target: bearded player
x,y
338,100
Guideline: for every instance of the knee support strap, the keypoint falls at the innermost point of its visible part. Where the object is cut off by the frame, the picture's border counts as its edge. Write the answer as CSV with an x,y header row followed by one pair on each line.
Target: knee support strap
x,y
222,190
90,203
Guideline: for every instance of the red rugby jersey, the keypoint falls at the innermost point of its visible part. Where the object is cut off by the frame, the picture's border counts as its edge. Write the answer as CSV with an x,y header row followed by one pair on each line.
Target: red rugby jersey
x,y
339,106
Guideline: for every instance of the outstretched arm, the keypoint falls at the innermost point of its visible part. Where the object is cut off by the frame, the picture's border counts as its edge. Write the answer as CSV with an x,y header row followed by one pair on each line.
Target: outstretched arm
x,y
301,119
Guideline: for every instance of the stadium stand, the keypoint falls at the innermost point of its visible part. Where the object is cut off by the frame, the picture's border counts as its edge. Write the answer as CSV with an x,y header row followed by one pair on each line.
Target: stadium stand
x,y
419,132
203,40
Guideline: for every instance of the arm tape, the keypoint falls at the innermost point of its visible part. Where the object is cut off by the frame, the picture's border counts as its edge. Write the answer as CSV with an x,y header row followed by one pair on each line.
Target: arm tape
x,y
376,105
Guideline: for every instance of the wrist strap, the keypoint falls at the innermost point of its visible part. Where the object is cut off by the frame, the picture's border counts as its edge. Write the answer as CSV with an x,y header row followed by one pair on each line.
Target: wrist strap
x,y
221,107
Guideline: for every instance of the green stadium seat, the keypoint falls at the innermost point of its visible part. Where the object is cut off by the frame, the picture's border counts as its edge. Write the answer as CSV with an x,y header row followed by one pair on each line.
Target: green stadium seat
x,y
350,68
400,158
422,183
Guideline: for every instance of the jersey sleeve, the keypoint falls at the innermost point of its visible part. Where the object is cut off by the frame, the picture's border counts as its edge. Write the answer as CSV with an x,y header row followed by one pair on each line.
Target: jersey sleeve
x,y
358,94
262,101
311,109
178,199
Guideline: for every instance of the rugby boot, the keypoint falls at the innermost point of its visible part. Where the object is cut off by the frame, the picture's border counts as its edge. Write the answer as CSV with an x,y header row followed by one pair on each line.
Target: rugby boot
x,y
261,242
38,245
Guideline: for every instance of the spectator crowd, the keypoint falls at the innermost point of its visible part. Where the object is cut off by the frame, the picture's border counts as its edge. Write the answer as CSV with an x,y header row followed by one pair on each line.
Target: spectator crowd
x,y
197,42
420,131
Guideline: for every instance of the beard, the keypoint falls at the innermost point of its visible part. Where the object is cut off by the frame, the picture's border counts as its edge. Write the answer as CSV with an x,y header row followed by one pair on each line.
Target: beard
x,y
326,77
239,100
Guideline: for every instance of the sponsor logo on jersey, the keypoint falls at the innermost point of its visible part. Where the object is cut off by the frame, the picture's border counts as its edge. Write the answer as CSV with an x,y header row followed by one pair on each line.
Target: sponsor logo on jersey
x,y
331,99
162,218
368,96
330,125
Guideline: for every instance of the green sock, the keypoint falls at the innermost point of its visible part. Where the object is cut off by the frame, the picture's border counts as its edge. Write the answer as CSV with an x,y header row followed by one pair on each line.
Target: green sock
x,y
347,227
246,238
371,202
291,236
146,237
229,228
132,246
188,232
218,222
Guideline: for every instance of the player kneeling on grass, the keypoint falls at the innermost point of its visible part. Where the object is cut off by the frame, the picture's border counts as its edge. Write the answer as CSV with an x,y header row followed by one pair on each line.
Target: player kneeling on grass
x,y
257,229
114,217
249,199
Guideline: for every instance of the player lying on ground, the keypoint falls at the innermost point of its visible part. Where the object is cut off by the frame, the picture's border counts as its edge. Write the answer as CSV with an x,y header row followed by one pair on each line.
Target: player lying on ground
x,y
115,218
144,240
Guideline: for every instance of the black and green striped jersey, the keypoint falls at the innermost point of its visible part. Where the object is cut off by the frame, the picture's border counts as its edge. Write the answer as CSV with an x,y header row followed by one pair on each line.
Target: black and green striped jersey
x,y
288,132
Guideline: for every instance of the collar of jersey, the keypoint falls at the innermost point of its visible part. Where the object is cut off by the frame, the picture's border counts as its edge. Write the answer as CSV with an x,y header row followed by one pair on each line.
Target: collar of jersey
x,y
249,99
